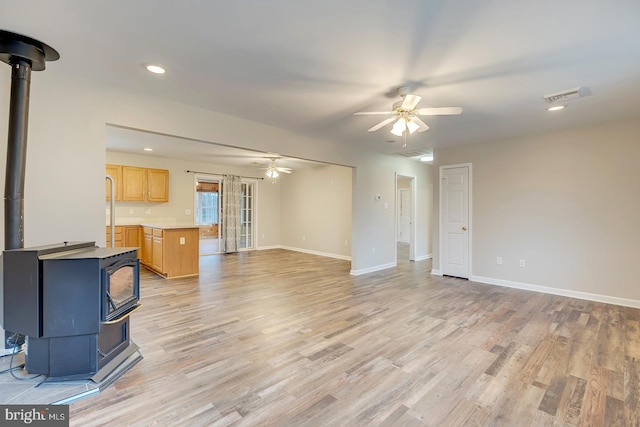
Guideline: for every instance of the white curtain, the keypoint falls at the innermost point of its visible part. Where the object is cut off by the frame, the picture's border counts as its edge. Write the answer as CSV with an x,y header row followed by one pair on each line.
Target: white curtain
x,y
231,198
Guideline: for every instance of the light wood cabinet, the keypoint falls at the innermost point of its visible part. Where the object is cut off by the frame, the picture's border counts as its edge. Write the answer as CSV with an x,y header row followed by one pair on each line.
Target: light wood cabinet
x,y
133,184
157,254
128,236
171,252
115,171
118,236
147,246
132,236
157,185
136,184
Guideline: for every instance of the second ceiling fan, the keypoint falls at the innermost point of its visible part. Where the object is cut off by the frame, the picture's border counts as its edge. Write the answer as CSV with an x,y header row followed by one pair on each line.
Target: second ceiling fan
x,y
273,171
405,114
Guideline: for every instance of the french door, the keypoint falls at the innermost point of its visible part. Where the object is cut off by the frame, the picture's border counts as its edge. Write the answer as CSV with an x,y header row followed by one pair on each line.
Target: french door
x,y
210,213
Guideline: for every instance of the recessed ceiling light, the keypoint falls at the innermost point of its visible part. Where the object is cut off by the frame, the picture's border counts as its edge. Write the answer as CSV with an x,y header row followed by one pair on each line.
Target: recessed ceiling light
x,y
156,69
427,158
148,149
556,108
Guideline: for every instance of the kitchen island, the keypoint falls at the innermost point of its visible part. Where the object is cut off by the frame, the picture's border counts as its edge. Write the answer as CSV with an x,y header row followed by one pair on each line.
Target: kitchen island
x,y
171,250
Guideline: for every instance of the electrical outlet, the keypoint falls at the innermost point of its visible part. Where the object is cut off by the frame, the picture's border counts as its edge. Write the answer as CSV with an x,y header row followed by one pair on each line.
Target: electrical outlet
x,y
499,260
263,235
522,263
130,211
304,237
373,250
182,241
147,211
346,243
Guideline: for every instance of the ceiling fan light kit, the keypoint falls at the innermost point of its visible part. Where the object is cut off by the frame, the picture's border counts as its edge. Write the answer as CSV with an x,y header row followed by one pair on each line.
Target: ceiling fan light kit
x,y
405,114
274,171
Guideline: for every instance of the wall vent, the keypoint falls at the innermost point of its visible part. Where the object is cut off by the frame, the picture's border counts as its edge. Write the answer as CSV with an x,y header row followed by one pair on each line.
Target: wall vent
x,y
566,95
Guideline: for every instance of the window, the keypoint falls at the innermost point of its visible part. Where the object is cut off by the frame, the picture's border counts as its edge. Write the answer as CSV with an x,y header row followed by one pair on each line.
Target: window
x,y
207,203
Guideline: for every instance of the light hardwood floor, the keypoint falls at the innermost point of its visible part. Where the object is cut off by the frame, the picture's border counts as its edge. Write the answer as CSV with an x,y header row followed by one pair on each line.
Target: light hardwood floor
x,y
280,338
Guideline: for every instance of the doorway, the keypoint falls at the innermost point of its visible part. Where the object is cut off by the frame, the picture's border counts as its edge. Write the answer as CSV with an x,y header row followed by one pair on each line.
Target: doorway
x,y
455,220
209,201
405,215
207,218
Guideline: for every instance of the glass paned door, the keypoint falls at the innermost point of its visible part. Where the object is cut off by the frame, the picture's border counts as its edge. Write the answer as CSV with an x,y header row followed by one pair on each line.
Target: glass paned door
x,y
207,214
247,215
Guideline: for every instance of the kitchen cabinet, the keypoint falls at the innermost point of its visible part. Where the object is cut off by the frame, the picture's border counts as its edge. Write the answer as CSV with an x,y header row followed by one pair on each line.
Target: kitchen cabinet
x,y
157,253
171,251
132,236
137,184
147,246
128,236
133,184
157,185
115,171
118,236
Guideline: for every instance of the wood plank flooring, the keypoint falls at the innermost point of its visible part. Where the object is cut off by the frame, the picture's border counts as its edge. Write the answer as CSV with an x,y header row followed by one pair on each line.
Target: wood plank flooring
x,y
280,338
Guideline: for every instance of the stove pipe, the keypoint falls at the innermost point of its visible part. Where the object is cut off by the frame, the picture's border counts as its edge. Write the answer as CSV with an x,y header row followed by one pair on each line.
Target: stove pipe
x,y
23,54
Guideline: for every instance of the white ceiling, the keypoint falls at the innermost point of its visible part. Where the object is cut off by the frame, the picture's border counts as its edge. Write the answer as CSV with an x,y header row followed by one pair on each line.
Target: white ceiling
x,y
308,66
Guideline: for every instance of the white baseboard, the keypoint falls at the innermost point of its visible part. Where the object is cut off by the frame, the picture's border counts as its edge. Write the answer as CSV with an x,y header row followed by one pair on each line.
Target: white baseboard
x,y
325,254
265,248
436,272
424,257
626,302
373,269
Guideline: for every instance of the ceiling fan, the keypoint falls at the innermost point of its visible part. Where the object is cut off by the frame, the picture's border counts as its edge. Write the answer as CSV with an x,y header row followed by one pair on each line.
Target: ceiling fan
x,y
405,114
274,171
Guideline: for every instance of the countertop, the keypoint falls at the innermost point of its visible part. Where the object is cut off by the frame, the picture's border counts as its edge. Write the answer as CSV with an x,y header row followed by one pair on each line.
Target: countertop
x,y
159,224
169,226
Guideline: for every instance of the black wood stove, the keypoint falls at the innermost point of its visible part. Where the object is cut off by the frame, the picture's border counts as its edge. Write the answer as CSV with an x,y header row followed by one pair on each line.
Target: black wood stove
x,y
73,303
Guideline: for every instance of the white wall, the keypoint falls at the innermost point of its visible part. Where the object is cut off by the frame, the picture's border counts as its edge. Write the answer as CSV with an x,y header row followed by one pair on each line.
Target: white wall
x,y
316,210
64,197
565,202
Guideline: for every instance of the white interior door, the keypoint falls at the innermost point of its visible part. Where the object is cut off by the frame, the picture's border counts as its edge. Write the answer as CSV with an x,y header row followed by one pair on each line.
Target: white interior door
x,y
404,215
455,221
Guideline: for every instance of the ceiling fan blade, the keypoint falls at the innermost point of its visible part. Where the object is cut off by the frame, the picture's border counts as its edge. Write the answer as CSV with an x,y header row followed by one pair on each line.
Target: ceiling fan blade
x,y
423,125
440,111
371,113
410,101
382,124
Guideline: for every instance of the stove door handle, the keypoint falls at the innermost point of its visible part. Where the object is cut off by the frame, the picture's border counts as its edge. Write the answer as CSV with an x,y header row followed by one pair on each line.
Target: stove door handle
x,y
123,315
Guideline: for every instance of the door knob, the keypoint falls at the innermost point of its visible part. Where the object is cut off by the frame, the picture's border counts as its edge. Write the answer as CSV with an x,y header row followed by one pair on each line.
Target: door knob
x,y
464,228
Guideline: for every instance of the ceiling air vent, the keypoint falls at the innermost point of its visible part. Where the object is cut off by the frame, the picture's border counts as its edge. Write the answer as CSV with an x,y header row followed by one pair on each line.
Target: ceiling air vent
x,y
413,153
566,95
